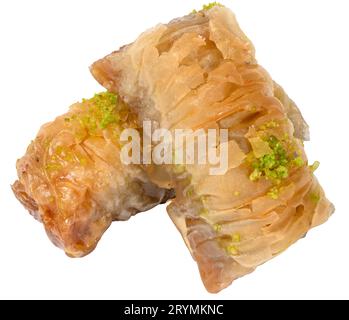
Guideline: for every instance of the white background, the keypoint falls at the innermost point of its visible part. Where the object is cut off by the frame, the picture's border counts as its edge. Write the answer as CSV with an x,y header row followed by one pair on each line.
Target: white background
x,y
45,50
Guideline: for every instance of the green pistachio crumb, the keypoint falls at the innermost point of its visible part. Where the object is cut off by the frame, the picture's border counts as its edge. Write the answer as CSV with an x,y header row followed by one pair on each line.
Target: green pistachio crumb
x,y
208,6
236,237
255,175
286,137
274,193
52,167
108,119
211,5
233,250
298,162
282,172
270,125
315,197
274,165
314,166
101,111
83,161
217,227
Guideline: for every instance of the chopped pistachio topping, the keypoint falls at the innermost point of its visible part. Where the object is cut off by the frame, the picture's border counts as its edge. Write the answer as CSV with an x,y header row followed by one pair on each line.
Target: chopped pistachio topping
x,y
82,160
274,193
314,166
298,162
63,153
271,160
272,166
100,111
315,197
236,237
286,137
103,108
217,227
282,172
209,6
52,166
203,212
270,125
260,147
233,250
93,115
255,175
61,156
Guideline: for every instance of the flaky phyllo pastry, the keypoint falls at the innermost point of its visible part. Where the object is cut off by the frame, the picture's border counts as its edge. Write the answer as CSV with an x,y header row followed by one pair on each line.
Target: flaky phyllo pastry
x,y
72,178
200,72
